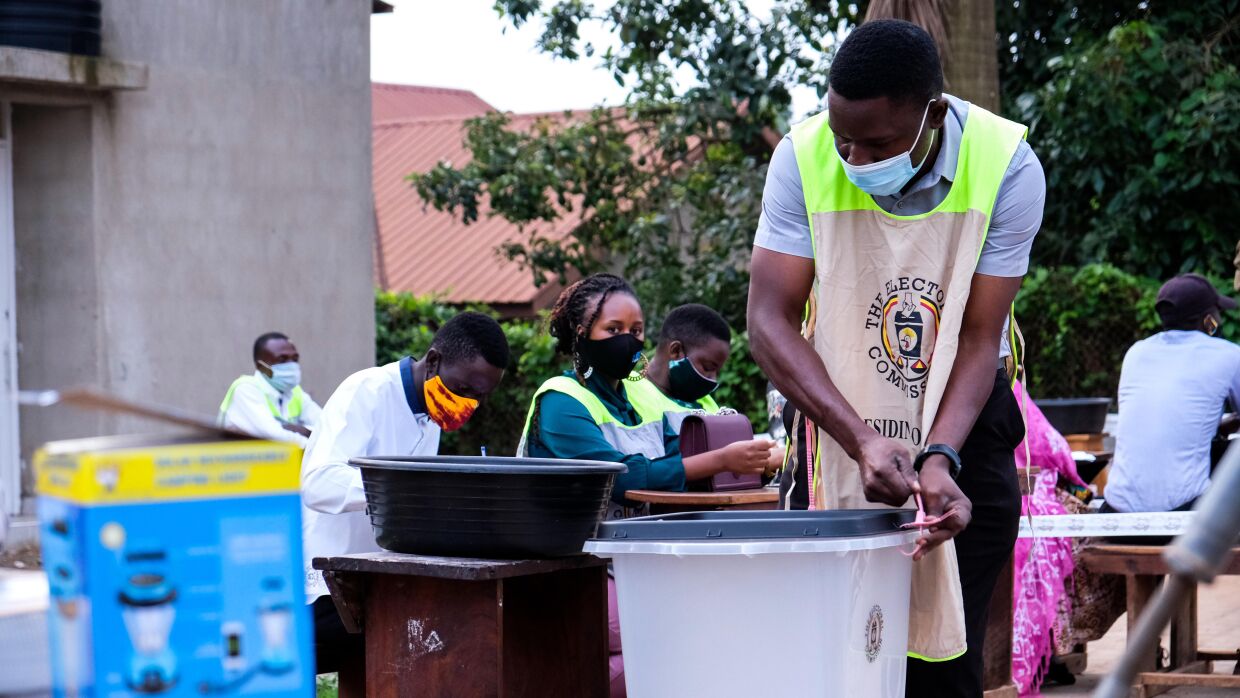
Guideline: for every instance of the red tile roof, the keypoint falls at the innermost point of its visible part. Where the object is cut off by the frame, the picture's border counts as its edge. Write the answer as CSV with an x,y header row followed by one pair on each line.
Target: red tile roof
x,y
414,102
421,250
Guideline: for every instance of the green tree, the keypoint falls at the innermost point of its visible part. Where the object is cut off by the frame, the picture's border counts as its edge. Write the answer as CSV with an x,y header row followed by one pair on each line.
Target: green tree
x,y
667,188
1033,32
1139,134
965,35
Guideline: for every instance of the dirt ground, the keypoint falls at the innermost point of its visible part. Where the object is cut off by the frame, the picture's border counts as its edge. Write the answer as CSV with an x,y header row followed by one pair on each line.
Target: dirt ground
x,y
25,557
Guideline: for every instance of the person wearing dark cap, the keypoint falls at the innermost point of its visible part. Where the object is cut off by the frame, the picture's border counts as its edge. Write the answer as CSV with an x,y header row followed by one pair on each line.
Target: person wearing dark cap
x,y
1172,389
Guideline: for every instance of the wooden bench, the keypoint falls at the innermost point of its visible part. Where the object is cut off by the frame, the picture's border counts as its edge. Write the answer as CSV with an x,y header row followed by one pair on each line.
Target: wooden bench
x,y
1144,569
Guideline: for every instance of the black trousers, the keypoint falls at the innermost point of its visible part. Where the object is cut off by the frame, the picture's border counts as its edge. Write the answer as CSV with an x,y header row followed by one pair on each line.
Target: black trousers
x,y
989,480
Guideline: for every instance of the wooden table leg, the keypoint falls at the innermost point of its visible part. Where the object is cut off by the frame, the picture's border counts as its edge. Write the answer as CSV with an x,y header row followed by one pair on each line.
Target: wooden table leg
x,y
351,676
1140,588
432,637
555,634
1184,631
1182,655
519,637
347,591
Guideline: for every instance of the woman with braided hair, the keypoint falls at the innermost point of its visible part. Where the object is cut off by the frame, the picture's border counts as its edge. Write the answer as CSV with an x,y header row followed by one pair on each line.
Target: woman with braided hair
x,y
586,413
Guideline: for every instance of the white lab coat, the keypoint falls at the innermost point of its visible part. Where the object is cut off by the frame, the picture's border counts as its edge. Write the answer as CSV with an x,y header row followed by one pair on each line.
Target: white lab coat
x,y
368,415
250,413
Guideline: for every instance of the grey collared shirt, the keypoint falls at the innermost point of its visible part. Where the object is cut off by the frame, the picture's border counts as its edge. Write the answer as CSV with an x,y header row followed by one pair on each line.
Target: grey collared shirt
x,y
784,225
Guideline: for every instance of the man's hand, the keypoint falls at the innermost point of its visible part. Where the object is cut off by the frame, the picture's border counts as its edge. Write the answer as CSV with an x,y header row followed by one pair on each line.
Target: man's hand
x,y
746,457
296,428
943,500
886,471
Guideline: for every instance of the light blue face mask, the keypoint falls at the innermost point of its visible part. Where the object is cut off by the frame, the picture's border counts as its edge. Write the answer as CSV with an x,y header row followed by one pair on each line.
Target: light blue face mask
x,y
886,177
284,377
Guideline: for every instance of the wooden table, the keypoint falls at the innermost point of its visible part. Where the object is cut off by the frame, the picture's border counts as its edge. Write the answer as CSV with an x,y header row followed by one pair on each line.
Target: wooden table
x,y
762,498
442,626
1144,569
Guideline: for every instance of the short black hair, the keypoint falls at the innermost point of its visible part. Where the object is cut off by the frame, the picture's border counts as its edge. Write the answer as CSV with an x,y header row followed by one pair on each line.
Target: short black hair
x,y
1171,320
887,58
469,335
692,324
261,342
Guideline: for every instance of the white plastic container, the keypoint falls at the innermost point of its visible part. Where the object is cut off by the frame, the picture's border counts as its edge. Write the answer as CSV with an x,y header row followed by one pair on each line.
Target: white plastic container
x,y
772,618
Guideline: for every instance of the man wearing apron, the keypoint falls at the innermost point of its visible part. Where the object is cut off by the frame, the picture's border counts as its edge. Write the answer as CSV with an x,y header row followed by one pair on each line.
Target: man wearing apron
x,y
909,214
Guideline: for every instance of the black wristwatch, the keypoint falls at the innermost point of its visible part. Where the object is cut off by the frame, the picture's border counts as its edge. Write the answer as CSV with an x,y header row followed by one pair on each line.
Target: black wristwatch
x,y
944,450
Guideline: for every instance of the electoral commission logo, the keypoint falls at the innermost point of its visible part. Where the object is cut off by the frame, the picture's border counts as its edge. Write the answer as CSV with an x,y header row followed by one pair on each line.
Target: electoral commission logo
x,y
906,316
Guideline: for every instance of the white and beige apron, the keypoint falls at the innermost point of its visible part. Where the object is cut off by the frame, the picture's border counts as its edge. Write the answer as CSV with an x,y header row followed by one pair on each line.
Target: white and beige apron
x,y
891,293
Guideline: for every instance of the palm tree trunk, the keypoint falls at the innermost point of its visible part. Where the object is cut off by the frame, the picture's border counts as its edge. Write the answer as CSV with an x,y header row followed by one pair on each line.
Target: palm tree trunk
x,y
964,31
973,72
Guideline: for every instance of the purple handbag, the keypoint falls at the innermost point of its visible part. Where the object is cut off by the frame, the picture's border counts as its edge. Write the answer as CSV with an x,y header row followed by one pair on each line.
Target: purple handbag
x,y
701,433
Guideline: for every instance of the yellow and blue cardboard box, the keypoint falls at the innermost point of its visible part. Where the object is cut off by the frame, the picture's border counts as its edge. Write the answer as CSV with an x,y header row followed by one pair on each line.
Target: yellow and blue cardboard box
x,y
175,567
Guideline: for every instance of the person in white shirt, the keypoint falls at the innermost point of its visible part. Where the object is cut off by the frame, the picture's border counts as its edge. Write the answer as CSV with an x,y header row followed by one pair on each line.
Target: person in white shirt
x,y
1171,394
270,404
394,410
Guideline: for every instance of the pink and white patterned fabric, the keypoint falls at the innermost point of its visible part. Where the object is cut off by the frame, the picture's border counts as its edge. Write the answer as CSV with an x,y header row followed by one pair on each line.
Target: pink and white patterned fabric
x,y
1042,566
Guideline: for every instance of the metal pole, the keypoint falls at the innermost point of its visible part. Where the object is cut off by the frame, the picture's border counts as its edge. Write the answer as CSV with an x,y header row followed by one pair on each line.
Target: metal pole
x,y
1197,556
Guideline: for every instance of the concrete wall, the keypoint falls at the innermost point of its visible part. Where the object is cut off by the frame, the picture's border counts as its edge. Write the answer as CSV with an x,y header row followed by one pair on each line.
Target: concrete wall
x,y
57,294
230,197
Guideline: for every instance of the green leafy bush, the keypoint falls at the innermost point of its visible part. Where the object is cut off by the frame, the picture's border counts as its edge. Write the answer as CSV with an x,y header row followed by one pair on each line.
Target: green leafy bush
x,y
327,686
1139,134
406,324
743,385
1079,322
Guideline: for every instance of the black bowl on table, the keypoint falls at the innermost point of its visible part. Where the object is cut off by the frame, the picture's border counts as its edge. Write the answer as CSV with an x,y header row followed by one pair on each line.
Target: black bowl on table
x,y
471,506
1076,415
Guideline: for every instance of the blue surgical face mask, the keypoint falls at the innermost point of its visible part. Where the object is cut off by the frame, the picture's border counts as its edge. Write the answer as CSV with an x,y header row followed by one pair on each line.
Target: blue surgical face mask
x,y
284,377
887,177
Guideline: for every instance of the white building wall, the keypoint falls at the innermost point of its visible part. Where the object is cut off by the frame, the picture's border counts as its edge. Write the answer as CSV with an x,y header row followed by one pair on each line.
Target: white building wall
x,y
230,197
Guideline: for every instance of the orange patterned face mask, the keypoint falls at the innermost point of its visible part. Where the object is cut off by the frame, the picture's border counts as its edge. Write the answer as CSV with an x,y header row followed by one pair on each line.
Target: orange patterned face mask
x,y
447,409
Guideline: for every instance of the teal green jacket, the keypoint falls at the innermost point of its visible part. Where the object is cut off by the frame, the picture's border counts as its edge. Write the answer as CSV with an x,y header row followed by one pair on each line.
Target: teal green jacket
x,y
566,430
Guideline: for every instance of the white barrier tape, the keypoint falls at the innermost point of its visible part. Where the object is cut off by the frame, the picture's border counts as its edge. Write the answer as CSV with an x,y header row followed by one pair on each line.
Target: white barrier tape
x,y
1170,523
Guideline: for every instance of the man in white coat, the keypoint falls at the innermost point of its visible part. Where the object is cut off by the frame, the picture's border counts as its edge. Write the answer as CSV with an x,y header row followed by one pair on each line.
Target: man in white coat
x,y
394,410
270,404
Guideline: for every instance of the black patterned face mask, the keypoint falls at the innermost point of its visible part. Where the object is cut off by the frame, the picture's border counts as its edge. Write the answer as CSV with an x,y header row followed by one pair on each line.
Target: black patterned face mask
x,y
614,357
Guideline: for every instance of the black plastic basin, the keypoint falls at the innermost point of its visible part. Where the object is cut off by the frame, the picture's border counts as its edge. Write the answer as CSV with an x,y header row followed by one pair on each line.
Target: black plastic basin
x,y
70,26
1076,415
463,506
